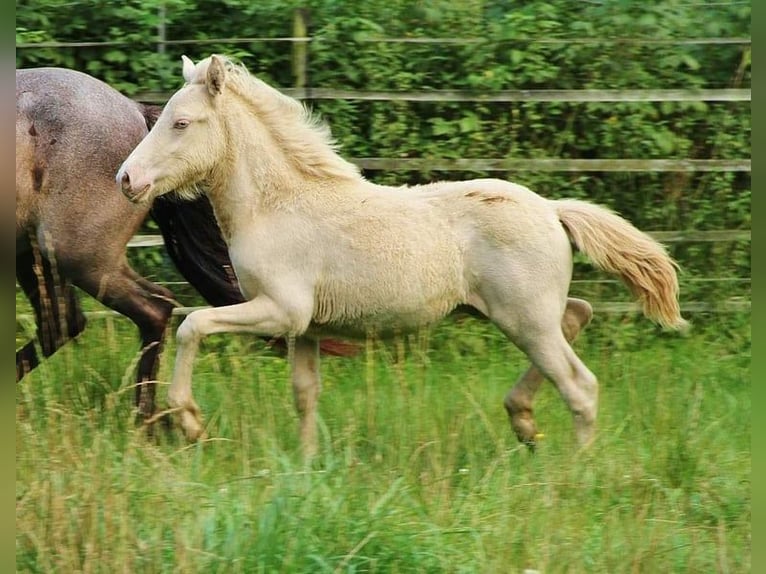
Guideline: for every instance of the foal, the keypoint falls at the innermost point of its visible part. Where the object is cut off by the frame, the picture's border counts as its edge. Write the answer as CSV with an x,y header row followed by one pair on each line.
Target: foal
x,y
319,250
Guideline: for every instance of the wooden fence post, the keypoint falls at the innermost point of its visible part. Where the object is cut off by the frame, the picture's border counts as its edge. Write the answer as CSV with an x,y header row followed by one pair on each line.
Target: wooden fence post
x,y
161,30
300,48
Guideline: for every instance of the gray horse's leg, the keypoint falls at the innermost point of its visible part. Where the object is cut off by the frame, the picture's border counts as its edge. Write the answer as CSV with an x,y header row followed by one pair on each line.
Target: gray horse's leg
x,y
151,316
149,306
58,315
518,401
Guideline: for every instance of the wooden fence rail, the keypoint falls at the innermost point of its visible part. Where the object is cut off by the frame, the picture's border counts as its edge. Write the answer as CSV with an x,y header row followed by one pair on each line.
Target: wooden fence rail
x,y
153,240
520,164
575,96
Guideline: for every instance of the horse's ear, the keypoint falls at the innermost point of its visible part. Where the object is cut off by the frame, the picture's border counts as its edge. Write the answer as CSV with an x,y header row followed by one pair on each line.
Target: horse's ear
x,y
216,76
188,69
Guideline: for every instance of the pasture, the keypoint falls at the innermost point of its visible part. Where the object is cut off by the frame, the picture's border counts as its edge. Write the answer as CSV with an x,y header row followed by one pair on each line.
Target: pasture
x,y
418,469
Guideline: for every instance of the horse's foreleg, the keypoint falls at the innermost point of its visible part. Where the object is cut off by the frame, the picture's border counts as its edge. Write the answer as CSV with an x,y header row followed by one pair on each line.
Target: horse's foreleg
x,y
188,337
306,388
261,316
518,401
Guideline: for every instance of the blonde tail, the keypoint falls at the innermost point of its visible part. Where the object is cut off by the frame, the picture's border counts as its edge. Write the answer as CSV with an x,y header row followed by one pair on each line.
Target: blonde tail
x,y
616,246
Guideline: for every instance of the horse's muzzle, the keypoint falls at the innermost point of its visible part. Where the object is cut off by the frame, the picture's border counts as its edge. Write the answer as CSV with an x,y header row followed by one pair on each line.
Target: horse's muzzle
x,y
134,194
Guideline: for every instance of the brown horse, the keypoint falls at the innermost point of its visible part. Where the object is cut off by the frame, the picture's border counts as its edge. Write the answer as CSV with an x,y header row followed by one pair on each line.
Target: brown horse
x,y
72,226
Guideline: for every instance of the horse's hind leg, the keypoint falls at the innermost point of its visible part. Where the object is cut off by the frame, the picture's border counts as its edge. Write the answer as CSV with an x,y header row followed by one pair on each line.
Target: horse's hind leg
x,y
57,311
518,401
539,334
306,387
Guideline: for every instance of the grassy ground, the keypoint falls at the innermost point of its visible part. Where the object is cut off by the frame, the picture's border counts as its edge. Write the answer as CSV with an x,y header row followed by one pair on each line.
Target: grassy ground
x,y
418,470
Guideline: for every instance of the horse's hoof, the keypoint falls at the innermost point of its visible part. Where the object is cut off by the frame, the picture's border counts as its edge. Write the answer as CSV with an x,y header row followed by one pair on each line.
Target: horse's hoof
x,y
196,435
531,442
192,427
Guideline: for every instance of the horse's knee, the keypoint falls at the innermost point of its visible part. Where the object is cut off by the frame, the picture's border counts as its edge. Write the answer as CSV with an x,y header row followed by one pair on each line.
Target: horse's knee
x,y
582,308
189,331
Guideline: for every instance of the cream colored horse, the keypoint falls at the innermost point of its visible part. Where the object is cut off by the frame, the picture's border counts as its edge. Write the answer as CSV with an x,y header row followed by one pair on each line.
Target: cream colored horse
x,y
319,250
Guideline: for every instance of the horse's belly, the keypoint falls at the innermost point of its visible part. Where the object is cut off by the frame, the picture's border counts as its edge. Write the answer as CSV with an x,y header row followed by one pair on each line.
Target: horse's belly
x,y
381,325
383,307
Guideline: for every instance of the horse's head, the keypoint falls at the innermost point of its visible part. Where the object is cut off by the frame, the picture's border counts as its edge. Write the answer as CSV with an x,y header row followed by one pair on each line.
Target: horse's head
x,y
187,144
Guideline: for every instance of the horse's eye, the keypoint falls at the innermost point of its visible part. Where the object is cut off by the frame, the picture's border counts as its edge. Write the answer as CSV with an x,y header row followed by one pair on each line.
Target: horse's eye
x,y
181,124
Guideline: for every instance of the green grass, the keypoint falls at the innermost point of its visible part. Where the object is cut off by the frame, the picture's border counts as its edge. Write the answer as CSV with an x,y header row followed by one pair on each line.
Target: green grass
x,y
418,470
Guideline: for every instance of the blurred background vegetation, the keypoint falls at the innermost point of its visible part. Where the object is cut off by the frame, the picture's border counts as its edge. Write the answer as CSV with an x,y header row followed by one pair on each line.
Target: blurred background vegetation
x,y
480,45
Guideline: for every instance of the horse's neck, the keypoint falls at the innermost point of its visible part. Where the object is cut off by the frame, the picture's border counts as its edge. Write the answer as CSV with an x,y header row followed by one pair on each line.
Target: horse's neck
x,y
261,177
256,185
235,199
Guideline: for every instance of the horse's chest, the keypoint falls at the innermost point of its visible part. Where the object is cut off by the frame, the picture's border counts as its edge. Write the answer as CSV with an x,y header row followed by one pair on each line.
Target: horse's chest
x,y
255,266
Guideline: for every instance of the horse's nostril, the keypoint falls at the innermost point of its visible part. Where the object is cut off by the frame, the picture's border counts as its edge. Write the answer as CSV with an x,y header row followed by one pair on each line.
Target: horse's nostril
x,y
125,180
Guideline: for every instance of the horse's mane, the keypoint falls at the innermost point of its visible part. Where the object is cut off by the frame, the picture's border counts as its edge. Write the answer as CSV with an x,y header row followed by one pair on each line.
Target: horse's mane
x,y
303,136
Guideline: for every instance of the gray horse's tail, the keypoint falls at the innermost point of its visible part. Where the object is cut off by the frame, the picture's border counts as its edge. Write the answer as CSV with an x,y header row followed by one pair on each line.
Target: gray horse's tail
x,y
616,246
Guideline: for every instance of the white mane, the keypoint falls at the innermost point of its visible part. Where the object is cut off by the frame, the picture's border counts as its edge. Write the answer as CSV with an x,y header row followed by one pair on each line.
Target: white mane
x,y
305,139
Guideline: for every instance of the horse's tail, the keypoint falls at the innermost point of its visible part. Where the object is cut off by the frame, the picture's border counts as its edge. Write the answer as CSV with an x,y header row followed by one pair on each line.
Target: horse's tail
x,y
616,246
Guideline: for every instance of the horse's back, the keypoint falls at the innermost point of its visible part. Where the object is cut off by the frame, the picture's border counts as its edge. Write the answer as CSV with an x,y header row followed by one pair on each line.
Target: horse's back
x,y
414,254
508,235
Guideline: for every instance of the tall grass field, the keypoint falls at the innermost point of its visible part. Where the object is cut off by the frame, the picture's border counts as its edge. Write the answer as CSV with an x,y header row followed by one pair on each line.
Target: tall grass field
x,y
418,469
